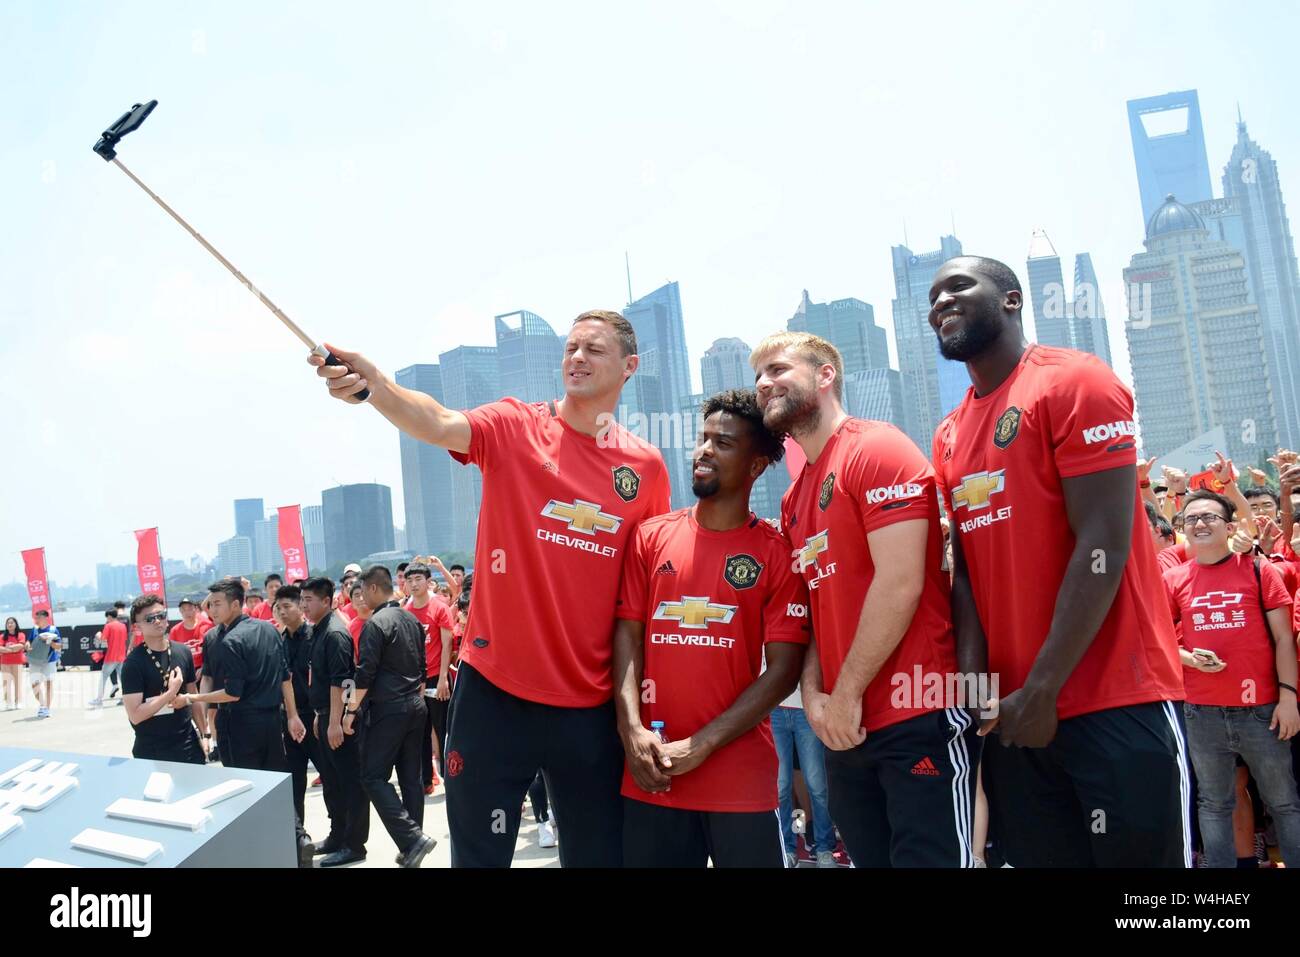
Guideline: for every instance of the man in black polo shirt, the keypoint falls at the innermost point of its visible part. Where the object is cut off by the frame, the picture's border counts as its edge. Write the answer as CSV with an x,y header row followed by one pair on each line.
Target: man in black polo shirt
x,y
390,683
332,676
155,678
244,672
296,635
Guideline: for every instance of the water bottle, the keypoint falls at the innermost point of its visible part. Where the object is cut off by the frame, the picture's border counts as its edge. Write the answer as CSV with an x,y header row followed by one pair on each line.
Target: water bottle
x,y
657,729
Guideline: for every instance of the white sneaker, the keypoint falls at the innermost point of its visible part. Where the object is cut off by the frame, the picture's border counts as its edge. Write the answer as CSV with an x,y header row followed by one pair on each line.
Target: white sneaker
x,y
792,860
826,859
42,712
97,703
546,835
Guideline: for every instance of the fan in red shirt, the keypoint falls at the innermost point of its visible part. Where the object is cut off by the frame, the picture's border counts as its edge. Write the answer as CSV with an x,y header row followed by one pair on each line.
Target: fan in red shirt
x,y
564,487
435,617
1056,590
114,638
189,631
361,615
1240,658
862,518
705,591
265,610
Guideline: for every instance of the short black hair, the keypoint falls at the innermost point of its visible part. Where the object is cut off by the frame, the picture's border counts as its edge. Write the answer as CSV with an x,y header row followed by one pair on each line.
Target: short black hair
x,y
1159,522
320,586
119,604
1003,276
143,603
743,404
402,566
455,568
1260,491
354,587
111,613
252,593
233,590
1205,495
378,575
419,568
273,577
288,593
40,613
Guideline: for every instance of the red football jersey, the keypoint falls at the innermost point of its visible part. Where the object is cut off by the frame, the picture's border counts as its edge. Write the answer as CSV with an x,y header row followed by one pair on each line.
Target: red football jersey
x,y
263,612
710,601
1000,461
1219,608
433,617
115,638
1173,556
191,638
355,625
559,509
869,476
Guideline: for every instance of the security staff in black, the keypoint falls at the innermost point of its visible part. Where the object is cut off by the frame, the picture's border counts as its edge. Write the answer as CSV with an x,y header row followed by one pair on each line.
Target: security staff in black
x,y
333,673
389,698
296,635
245,674
155,678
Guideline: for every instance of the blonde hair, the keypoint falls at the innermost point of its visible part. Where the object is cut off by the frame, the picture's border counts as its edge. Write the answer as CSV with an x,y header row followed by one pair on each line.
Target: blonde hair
x,y
811,349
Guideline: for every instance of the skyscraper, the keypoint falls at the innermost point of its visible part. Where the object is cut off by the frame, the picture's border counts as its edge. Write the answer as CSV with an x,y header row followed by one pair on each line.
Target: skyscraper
x,y
358,521
847,324
266,545
313,535
1251,180
248,511
235,556
426,473
662,382
875,394
932,386
725,365
1077,322
1196,340
114,582
529,354
1088,312
1169,149
470,377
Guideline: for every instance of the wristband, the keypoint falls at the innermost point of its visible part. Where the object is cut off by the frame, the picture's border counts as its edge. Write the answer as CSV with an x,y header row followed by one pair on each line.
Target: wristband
x,y
207,736
1145,483
1283,684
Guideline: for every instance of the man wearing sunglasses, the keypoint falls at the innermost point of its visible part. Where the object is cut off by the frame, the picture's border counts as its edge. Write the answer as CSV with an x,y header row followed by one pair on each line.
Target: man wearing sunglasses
x,y
157,679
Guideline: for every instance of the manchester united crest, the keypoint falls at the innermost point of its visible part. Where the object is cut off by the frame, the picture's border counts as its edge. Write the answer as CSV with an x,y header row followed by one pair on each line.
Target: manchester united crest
x,y
626,482
742,571
1007,428
828,489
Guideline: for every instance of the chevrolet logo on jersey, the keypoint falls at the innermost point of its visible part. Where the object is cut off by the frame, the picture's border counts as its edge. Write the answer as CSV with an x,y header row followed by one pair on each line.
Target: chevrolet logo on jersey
x,y
974,490
813,546
695,612
1216,599
585,517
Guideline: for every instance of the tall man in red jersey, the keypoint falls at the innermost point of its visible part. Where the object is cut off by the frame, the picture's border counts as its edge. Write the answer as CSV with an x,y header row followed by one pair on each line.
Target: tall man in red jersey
x,y
706,590
863,520
563,490
1056,591
436,619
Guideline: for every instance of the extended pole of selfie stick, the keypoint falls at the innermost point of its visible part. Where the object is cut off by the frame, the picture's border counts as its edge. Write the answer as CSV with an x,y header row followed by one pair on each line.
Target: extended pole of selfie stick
x,y
106,148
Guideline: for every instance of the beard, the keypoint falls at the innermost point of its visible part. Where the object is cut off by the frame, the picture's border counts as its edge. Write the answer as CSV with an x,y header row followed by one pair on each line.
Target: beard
x,y
706,487
796,411
981,331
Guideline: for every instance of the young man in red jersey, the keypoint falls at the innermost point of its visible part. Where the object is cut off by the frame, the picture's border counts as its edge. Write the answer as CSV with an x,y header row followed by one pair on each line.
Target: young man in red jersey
x,y
1240,659
437,621
1056,591
563,491
189,631
879,681
706,590
114,635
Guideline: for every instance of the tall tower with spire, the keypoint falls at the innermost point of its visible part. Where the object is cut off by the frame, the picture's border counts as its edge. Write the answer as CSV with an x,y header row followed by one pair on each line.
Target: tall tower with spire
x,y
1250,178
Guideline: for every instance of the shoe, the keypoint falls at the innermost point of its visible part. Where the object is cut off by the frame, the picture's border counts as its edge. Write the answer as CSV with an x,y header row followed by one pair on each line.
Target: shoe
x,y
826,859
801,851
329,846
42,712
1261,849
792,860
117,688
979,863
430,788
315,783
306,850
96,703
339,858
418,852
546,835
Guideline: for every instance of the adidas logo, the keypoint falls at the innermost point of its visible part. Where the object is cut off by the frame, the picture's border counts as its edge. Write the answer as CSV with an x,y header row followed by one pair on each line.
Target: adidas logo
x,y
666,569
549,467
925,767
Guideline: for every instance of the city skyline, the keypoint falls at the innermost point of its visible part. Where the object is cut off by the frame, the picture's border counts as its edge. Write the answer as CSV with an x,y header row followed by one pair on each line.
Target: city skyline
x,y
365,244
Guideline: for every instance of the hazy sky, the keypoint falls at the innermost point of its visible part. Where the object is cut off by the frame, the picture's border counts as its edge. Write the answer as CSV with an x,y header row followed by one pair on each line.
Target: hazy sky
x,y
395,175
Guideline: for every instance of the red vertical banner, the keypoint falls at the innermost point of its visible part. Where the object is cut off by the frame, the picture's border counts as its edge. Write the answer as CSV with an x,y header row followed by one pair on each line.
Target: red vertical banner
x,y
149,564
292,545
38,587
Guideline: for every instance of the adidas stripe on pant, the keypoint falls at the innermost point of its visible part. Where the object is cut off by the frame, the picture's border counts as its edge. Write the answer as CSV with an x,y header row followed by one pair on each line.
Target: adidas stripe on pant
x,y
905,796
